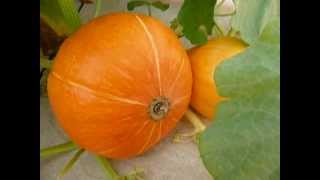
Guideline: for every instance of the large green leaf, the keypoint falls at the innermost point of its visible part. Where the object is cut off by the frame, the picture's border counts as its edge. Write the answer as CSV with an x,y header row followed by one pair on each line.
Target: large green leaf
x,y
252,15
60,15
196,18
243,143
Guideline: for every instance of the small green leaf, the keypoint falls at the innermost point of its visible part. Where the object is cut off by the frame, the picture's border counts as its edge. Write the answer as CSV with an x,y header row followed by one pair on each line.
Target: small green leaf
x,y
60,15
251,17
45,63
160,5
133,4
244,140
176,27
196,18
70,13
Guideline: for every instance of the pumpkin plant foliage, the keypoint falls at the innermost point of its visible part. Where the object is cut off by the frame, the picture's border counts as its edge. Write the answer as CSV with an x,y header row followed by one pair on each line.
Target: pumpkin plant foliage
x,y
196,19
60,15
252,15
157,4
58,19
244,141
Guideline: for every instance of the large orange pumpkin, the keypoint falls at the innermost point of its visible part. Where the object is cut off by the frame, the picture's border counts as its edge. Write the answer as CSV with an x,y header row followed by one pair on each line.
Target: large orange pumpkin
x,y
120,84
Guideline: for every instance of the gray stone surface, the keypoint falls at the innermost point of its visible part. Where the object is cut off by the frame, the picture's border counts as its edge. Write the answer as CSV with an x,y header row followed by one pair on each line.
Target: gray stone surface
x,y
166,161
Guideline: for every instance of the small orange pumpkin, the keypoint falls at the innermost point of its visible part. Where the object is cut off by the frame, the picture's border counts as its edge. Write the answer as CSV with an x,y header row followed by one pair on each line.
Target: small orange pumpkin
x,y
204,61
120,84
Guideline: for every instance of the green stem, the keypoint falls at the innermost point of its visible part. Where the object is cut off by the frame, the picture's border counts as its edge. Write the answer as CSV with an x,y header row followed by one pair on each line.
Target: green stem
x,y
98,8
42,72
71,162
220,3
232,32
226,14
219,29
196,122
149,9
136,174
199,127
57,149
108,170
80,7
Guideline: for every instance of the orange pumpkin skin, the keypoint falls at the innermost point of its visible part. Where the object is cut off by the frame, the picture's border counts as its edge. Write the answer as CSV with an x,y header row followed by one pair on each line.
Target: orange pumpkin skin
x,y
120,84
204,61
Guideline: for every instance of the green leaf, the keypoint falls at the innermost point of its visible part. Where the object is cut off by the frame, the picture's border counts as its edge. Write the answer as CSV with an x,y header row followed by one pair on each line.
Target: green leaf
x,y
196,18
244,140
251,17
70,13
133,4
45,63
271,32
60,15
160,5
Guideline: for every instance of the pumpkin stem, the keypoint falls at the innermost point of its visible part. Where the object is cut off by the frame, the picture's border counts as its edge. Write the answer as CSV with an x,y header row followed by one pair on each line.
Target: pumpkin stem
x,y
194,119
197,124
149,10
159,108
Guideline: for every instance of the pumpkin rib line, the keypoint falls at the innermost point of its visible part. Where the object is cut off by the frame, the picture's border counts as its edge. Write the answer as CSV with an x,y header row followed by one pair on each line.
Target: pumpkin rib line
x,y
152,142
177,76
149,139
154,49
122,142
160,129
178,100
96,93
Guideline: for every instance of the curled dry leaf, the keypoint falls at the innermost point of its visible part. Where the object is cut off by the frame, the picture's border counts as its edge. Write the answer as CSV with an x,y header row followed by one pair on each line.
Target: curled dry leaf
x,y
86,1
49,39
